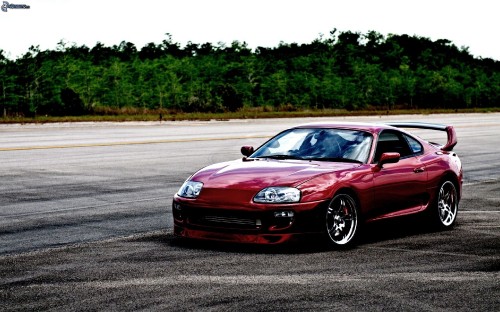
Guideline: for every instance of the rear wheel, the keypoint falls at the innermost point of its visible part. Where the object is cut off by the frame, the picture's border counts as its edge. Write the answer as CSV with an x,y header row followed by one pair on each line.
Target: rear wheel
x,y
446,205
342,220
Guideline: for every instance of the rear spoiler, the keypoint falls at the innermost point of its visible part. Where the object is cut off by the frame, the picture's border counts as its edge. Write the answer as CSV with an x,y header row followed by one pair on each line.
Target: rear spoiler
x,y
450,131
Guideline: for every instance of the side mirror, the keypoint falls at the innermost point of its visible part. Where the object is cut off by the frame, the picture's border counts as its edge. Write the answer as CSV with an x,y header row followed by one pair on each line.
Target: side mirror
x,y
388,158
247,150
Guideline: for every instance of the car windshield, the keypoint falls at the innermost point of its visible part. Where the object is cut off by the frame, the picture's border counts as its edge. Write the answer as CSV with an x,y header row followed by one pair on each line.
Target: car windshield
x,y
318,144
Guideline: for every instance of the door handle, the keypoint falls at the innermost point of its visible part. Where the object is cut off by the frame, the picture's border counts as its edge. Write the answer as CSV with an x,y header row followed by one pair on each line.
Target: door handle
x,y
418,170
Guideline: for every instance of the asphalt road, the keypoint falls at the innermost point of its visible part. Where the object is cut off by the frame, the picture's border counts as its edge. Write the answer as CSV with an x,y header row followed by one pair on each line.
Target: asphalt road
x,y
85,224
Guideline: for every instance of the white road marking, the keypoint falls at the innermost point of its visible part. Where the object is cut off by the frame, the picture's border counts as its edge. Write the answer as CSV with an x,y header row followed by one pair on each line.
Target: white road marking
x,y
82,207
27,148
296,279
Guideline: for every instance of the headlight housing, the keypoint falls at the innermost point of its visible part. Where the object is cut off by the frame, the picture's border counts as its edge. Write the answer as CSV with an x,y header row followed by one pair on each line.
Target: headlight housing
x,y
190,189
278,195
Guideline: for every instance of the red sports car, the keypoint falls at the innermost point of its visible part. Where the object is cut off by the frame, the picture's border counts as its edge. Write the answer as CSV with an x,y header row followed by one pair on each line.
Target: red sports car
x,y
322,178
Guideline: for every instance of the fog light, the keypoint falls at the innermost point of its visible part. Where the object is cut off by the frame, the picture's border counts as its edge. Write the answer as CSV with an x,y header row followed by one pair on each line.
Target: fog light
x,y
283,214
177,206
177,211
282,220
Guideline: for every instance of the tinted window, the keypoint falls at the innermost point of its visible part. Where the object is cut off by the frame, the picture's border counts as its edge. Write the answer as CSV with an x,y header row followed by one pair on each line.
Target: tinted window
x,y
392,142
415,146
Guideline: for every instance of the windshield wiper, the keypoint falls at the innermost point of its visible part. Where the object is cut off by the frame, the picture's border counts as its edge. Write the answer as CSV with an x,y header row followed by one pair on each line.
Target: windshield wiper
x,y
281,157
336,159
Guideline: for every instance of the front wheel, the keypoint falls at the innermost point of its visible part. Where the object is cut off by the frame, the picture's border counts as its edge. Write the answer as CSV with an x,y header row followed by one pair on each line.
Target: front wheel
x,y
447,205
342,220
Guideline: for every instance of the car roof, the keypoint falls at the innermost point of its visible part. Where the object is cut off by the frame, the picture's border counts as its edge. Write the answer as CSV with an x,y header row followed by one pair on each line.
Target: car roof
x,y
363,126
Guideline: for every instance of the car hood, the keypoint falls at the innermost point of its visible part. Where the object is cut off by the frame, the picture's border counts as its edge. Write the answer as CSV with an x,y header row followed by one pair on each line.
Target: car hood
x,y
257,174
234,184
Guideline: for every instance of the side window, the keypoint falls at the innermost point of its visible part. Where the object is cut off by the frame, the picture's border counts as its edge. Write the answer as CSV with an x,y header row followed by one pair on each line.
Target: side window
x,y
391,141
415,146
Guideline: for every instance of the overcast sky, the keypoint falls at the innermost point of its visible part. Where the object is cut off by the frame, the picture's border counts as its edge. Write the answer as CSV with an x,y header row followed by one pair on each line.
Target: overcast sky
x,y
473,24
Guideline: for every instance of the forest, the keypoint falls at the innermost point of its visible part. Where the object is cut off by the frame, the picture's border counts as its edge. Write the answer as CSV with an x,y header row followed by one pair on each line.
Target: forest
x,y
344,70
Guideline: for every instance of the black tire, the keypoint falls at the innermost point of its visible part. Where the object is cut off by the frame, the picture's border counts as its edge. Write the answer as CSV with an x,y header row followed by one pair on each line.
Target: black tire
x,y
342,221
445,208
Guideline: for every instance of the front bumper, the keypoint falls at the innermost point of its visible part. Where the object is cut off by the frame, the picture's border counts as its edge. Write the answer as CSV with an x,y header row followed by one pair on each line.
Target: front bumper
x,y
263,225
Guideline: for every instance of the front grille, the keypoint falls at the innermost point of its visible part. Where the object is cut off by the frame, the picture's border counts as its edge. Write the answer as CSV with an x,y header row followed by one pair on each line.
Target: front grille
x,y
219,218
226,220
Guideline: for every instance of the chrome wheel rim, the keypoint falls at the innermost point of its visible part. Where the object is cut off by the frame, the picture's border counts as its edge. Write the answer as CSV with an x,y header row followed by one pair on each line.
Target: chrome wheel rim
x,y
447,203
341,219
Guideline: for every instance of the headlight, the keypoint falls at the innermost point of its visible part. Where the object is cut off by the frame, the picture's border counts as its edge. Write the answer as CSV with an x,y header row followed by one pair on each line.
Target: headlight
x,y
278,194
190,189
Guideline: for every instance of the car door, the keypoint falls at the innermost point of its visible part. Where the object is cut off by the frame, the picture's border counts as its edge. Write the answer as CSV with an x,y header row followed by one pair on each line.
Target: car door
x,y
398,188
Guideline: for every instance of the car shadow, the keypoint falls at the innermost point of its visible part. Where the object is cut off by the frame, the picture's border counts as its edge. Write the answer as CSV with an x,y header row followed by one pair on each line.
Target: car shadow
x,y
311,245
375,232
396,228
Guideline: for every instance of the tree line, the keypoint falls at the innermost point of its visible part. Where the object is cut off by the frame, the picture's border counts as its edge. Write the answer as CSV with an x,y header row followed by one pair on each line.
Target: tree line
x,y
346,70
